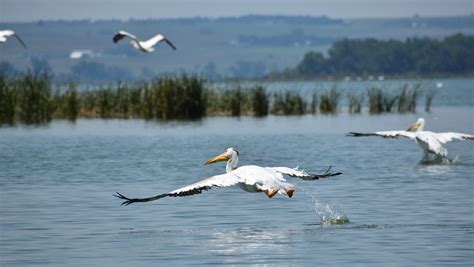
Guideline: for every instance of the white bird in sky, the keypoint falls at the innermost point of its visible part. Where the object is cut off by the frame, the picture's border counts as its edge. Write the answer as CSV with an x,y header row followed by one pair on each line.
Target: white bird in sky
x,y
145,46
7,33
250,178
430,142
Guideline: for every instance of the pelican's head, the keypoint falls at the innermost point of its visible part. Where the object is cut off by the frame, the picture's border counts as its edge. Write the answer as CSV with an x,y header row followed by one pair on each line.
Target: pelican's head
x,y
417,126
229,154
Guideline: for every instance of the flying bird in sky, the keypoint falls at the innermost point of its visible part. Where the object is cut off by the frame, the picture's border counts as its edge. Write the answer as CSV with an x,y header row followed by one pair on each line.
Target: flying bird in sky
x,y
144,46
7,33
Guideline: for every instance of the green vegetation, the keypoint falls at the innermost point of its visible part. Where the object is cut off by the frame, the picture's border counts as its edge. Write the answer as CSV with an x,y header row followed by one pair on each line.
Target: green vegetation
x,y
355,102
288,103
384,100
420,56
429,95
329,100
29,99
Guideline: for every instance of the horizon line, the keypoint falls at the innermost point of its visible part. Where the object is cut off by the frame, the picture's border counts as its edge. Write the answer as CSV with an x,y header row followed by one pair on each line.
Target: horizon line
x,y
239,16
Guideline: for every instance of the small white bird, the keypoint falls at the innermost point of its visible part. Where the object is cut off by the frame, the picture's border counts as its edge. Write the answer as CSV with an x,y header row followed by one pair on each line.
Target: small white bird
x,y
430,142
145,46
6,33
251,178
78,54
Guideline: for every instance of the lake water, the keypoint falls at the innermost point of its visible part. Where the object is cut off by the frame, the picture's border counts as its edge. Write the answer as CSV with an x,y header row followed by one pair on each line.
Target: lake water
x,y
57,208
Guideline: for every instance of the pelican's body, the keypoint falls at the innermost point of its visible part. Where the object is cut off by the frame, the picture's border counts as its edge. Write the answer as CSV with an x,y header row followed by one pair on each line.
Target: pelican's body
x,y
430,142
7,33
144,46
249,178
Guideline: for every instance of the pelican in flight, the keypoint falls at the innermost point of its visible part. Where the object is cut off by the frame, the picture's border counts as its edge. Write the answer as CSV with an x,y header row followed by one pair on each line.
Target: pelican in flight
x,y
145,46
251,178
7,33
430,142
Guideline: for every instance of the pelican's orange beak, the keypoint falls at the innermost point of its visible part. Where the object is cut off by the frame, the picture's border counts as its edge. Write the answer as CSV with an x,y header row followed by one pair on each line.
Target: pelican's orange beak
x,y
221,157
413,127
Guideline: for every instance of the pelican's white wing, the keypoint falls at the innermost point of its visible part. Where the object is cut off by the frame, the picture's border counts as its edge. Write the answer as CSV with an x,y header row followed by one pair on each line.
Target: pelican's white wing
x,y
156,39
223,180
302,174
387,134
450,136
122,34
6,33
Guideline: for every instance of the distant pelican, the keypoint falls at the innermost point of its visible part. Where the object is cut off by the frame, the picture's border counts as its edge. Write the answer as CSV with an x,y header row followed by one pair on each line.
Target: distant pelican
x,y
431,143
78,54
145,46
251,178
6,33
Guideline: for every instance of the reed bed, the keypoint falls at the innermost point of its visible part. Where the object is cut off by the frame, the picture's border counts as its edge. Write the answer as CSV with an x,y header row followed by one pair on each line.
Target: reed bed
x,y
29,99
383,100
288,103
8,96
408,98
26,98
429,95
355,102
329,100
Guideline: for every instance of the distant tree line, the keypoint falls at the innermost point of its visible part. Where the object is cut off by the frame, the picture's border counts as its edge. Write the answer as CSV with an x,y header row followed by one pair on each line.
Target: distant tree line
x,y
420,56
297,37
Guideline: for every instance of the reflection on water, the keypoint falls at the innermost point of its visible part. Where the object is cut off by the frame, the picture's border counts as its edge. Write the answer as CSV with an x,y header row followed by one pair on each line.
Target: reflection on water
x,y
248,241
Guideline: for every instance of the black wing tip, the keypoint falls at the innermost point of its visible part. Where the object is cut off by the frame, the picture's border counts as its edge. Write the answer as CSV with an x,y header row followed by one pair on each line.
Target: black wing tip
x,y
118,36
326,174
19,40
170,43
355,134
127,201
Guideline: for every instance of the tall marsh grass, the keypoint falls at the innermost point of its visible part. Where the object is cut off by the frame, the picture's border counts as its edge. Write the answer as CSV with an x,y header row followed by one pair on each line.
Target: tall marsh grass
x,y
408,98
355,102
28,98
33,101
8,96
329,100
429,95
383,100
288,103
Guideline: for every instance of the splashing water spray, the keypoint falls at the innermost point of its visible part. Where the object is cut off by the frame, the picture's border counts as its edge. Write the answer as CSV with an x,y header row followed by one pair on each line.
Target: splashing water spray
x,y
329,215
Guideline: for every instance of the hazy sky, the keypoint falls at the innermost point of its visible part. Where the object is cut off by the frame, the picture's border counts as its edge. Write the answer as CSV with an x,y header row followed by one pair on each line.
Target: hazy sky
x,y
32,10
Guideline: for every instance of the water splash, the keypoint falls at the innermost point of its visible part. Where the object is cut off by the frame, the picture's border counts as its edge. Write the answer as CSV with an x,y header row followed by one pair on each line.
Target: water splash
x,y
329,215
430,159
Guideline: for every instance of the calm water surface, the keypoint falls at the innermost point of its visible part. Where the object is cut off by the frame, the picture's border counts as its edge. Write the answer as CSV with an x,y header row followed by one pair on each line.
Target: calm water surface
x,y
56,205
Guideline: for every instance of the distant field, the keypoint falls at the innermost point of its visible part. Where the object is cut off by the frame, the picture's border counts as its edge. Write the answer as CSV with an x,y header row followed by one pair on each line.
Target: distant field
x,y
245,46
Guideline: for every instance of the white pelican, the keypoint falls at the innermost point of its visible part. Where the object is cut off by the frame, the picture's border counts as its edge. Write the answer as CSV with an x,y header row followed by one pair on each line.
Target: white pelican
x,y
431,143
6,33
78,54
145,46
250,178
